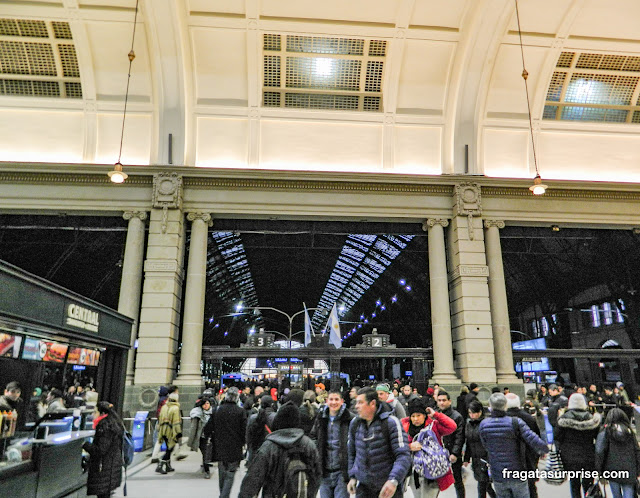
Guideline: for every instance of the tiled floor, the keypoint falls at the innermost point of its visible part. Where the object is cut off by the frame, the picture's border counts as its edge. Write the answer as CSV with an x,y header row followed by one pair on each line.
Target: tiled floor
x,y
188,480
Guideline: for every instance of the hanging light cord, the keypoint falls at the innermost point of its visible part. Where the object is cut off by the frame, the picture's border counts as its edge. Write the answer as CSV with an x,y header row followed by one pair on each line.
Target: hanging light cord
x,y
525,76
131,55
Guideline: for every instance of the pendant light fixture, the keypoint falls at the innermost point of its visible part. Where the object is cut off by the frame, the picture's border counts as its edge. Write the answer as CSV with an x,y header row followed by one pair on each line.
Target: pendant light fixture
x,y
117,175
538,188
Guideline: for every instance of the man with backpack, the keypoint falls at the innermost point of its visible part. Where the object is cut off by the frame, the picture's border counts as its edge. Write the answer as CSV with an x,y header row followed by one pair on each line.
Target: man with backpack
x,y
331,433
506,440
379,456
287,463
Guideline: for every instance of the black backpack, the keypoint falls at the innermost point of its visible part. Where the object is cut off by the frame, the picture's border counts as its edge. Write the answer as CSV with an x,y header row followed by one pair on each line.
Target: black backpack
x,y
296,474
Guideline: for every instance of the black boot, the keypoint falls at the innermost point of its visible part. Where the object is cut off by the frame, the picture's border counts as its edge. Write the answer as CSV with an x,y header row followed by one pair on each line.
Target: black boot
x,y
169,467
162,467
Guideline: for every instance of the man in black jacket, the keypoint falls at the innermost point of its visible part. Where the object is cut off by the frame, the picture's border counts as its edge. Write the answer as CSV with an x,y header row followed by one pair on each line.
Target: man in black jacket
x,y
531,457
556,402
331,433
227,427
267,471
453,442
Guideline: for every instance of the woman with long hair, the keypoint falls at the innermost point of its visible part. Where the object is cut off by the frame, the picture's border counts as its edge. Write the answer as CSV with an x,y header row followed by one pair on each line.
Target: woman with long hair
x,y
617,450
105,452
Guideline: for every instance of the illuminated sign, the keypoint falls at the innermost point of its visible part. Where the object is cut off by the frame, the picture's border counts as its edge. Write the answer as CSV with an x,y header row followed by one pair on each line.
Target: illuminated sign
x,y
10,345
288,360
82,318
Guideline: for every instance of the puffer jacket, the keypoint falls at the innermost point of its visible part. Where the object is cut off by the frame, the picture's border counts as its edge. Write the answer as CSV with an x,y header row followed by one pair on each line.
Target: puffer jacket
x,y
618,452
105,458
503,444
531,456
454,442
372,459
267,469
575,437
319,434
442,426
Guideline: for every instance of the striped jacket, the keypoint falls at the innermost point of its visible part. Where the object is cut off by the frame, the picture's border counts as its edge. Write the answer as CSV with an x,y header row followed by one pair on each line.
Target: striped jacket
x,y
373,459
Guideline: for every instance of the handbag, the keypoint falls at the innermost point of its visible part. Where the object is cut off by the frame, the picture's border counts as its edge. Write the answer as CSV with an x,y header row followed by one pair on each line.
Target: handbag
x,y
595,491
554,468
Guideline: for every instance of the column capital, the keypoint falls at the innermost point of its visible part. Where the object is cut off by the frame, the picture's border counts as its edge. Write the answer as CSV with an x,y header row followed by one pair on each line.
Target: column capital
x,y
494,223
431,222
141,215
206,217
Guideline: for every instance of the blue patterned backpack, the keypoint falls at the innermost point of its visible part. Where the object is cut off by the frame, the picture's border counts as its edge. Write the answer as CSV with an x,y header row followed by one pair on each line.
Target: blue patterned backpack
x,y
432,461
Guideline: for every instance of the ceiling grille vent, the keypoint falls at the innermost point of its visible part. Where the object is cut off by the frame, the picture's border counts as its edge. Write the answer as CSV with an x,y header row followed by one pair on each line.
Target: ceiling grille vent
x,y
38,59
308,72
594,87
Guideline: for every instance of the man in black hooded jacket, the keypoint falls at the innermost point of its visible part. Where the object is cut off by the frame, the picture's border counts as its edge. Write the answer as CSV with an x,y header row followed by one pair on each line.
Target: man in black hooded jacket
x,y
267,471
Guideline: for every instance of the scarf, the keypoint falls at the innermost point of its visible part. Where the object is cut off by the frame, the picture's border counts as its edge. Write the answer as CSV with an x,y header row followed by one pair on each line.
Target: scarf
x,y
414,430
97,420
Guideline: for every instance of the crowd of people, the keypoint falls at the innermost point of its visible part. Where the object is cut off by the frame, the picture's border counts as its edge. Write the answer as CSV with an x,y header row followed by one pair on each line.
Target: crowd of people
x,y
382,440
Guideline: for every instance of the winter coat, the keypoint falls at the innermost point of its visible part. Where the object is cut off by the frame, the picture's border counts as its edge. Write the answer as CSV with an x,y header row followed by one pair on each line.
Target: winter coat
x,y
404,400
503,444
227,428
319,435
531,456
620,452
461,405
575,437
267,471
307,417
170,423
105,458
199,419
454,442
255,436
397,410
442,426
55,405
372,459
474,447
557,404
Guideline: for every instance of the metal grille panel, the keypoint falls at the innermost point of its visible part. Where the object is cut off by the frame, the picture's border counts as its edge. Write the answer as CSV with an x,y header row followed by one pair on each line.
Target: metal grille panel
x,y
318,45
550,112
62,30
377,48
555,87
321,101
33,29
372,103
73,90
271,42
9,27
271,99
41,59
69,60
565,59
589,61
373,82
30,88
271,71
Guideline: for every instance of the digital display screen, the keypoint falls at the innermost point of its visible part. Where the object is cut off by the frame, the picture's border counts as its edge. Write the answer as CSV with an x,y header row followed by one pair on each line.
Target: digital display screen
x,y
36,349
83,356
10,345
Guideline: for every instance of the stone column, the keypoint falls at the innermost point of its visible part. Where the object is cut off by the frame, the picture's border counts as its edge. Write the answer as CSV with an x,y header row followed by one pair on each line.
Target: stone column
x,y
131,284
469,290
499,309
443,372
192,324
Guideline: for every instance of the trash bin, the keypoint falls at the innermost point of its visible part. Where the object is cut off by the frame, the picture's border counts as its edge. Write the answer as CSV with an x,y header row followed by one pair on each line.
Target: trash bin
x,y
138,432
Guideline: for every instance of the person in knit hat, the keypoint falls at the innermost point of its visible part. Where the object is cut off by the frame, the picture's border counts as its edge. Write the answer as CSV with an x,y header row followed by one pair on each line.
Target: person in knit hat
x,y
420,417
575,436
385,394
428,398
267,470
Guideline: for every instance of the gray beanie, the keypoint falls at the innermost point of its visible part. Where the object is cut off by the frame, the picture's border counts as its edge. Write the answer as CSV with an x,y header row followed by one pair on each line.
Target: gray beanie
x,y
498,401
577,402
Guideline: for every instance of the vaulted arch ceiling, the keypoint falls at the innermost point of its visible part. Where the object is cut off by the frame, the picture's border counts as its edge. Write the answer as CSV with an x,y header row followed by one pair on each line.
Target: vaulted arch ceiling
x,y
449,77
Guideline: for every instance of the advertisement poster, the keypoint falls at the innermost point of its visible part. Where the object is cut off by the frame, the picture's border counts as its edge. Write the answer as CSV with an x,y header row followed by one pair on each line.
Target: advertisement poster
x,y
54,352
31,349
82,356
10,345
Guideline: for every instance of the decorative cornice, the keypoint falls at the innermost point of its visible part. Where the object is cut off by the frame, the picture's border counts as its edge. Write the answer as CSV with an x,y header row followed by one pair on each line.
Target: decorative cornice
x,y
206,217
565,194
141,215
431,222
494,223
258,184
71,179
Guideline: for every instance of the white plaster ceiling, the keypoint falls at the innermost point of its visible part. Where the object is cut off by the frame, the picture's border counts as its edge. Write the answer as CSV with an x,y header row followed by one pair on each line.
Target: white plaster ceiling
x,y
451,78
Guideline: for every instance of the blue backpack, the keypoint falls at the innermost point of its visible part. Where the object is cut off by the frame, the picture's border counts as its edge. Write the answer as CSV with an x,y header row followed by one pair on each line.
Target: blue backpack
x,y
127,455
432,461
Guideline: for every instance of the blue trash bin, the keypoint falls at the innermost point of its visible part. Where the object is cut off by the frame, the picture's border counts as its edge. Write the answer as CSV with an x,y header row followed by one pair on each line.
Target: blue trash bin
x,y
139,426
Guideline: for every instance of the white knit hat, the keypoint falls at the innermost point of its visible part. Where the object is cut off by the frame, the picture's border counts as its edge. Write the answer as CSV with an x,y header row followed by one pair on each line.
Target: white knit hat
x,y
577,402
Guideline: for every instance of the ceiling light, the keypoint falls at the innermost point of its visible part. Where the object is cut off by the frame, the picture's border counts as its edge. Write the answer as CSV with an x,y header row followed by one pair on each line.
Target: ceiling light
x,y
555,228
117,175
538,188
323,66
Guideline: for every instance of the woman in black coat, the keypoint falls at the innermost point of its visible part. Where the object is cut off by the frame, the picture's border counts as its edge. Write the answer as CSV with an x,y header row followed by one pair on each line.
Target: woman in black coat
x,y
575,436
105,453
617,450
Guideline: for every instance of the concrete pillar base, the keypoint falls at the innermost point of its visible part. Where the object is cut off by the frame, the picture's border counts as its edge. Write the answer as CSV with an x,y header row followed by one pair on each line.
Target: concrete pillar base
x,y
140,397
189,380
507,378
444,378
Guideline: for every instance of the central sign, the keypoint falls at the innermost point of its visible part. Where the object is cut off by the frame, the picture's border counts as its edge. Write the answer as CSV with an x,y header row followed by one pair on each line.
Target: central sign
x,y
82,318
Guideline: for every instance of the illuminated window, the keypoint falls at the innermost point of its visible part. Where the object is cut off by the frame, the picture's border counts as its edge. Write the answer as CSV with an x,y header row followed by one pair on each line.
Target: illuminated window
x,y
594,87
608,313
311,72
595,316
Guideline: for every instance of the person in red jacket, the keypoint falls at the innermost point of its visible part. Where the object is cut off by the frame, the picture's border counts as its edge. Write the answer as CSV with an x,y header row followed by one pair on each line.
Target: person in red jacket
x,y
421,417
